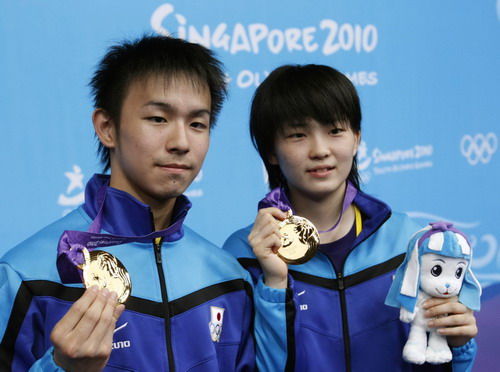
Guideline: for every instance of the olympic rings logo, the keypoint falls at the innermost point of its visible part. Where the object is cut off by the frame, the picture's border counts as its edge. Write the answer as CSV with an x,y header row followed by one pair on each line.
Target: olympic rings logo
x,y
479,148
215,329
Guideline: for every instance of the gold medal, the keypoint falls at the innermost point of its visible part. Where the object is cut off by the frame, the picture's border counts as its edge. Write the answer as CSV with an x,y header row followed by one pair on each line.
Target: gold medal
x,y
299,240
106,271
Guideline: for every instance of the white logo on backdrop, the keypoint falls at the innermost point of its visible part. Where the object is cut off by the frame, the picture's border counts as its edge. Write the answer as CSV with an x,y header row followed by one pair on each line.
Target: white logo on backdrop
x,y
380,162
193,192
432,217
486,261
479,148
265,175
70,199
362,78
364,160
331,37
498,9
328,37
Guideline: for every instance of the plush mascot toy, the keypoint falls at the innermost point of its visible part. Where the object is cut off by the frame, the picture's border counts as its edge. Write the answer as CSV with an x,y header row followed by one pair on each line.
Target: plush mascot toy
x,y
437,264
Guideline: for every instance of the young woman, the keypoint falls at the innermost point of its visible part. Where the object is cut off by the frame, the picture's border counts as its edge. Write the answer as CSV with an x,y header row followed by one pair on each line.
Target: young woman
x,y
329,313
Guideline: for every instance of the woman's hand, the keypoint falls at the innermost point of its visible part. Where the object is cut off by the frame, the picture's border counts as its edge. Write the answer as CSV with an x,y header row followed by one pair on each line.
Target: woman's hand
x,y
453,319
265,239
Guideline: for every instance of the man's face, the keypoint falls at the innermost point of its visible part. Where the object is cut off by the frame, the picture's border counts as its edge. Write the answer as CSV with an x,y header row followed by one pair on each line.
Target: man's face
x,y
161,140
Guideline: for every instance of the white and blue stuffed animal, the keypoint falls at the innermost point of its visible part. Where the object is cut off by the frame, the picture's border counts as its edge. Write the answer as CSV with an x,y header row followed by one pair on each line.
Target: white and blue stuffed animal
x,y
437,264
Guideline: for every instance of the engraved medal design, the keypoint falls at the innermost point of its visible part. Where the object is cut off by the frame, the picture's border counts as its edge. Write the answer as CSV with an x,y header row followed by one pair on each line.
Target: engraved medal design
x,y
299,239
106,271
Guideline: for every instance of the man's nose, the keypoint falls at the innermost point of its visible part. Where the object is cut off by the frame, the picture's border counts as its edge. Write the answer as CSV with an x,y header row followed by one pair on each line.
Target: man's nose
x,y
178,140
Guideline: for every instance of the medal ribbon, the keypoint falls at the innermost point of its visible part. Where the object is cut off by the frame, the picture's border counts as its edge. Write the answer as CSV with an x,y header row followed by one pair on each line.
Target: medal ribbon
x,y
350,193
278,199
72,242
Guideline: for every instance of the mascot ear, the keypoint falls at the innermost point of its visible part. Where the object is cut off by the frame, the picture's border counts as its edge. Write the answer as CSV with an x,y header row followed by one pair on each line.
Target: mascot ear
x,y
409,286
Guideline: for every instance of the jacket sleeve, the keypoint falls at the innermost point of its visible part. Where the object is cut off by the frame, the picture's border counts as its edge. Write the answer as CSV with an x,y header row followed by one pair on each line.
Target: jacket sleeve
x,y
276,327
463,357
275,314
46,363
246,360
17,352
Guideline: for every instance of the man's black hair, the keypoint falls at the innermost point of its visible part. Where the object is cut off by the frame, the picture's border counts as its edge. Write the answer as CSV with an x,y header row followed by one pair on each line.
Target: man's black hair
x,y
148,57
293,94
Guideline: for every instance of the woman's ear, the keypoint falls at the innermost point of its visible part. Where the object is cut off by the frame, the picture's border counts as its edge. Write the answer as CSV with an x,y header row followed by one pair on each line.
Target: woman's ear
x,y
105,128
357,140
273,159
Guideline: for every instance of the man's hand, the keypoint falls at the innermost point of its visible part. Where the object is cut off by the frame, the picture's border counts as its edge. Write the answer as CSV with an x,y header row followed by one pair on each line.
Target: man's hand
x,y
453,319
83,337
265,239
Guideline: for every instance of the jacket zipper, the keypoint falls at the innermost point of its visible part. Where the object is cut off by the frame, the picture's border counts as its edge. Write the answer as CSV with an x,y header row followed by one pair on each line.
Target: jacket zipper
x,y
343,302
343,312
345,325
164,297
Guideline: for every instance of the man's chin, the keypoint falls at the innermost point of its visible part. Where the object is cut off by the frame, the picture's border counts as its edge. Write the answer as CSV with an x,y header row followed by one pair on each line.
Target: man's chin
x,y
172,194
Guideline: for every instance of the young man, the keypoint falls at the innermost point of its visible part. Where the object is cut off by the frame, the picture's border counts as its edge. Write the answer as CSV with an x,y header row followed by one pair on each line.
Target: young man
x,y
190,303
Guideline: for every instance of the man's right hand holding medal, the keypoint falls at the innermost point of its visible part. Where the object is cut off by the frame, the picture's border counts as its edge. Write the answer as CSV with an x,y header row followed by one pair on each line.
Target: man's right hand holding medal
x,y
83,337
265,239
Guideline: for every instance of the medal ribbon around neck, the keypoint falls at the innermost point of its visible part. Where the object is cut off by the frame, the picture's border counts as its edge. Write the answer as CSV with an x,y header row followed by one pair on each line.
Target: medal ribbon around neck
x,y
278,199
349,196
299,238
71,246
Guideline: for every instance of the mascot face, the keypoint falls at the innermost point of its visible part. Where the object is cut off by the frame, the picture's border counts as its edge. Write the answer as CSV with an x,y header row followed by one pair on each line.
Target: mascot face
x,y
442,276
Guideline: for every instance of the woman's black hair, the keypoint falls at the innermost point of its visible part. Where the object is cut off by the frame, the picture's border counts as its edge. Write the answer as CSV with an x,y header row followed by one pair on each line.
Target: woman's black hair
x,y
297,93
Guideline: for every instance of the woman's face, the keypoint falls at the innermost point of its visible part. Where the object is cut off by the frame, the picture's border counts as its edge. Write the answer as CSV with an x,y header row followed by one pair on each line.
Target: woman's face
x,y
315,159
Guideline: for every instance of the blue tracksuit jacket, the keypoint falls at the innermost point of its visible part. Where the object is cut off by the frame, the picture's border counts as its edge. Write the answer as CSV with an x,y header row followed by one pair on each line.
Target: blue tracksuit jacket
x,y
337,321
165,326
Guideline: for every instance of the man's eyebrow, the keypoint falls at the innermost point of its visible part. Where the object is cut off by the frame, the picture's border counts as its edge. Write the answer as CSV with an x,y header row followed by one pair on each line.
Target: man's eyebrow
x,y
167,107
298,124
164,105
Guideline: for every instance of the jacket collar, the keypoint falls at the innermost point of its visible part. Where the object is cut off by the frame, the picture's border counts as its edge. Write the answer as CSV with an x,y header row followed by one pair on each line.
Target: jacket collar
x,y
374,211
125,215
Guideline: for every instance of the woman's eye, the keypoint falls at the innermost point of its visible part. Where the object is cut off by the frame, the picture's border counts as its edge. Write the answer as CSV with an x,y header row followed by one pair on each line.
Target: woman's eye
x,y
336,131
296,135
436,270
459,272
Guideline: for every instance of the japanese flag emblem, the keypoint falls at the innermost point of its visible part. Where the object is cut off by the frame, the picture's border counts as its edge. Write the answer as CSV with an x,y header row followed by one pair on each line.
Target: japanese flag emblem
x,y
215,325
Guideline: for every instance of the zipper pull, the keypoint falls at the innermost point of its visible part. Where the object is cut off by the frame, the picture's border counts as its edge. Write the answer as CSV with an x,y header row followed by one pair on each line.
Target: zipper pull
x,y
157,253
340,279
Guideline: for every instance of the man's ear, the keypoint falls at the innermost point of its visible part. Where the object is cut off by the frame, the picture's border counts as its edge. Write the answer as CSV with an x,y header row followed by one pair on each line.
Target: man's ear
x,y
104,127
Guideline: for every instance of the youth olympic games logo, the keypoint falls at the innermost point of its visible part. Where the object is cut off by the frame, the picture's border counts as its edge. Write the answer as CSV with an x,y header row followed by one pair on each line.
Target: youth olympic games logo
x,y
364,160
74,195
479,148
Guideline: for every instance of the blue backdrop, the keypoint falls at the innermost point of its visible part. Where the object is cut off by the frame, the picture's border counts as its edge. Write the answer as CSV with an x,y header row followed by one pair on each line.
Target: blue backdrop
x,y
428,74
